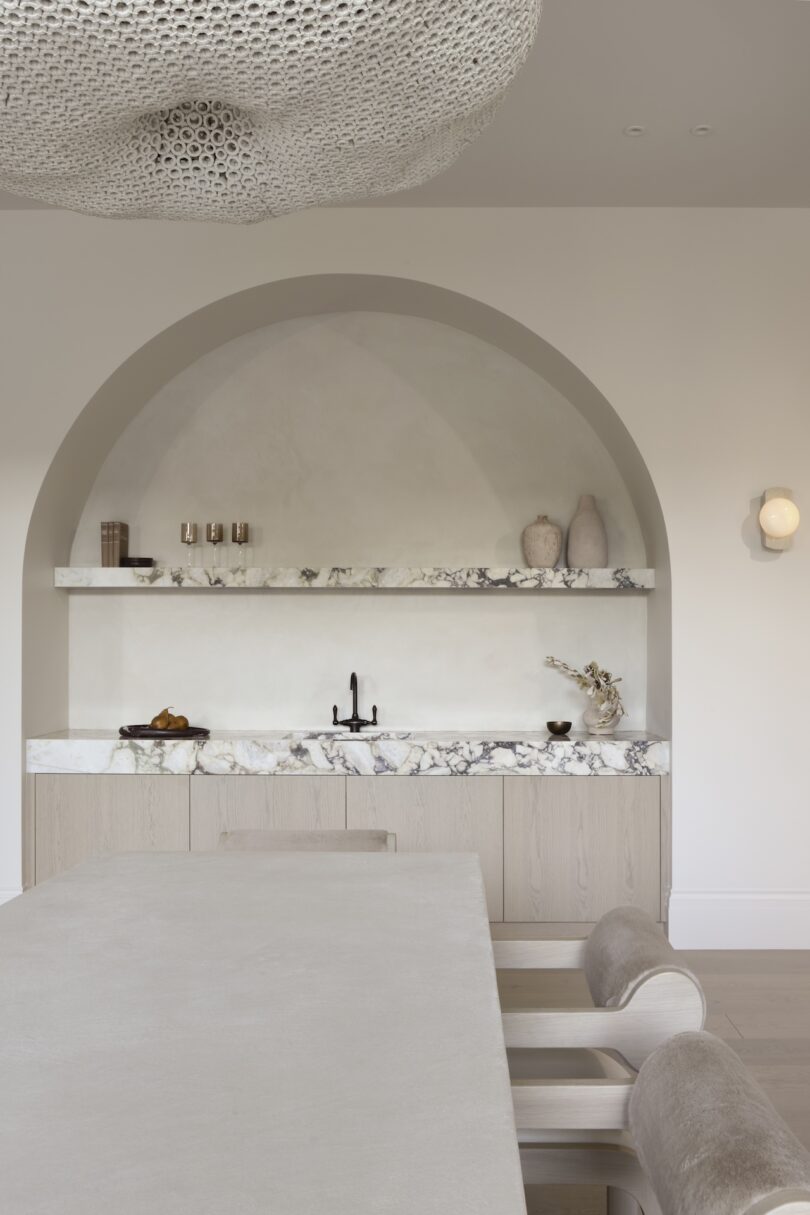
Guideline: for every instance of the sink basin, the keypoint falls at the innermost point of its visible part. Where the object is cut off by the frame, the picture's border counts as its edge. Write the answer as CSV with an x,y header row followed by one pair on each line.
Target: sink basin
x,y
369,732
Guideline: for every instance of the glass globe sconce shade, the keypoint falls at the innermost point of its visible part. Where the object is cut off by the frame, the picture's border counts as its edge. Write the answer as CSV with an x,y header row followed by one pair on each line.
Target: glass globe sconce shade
x,y
778,519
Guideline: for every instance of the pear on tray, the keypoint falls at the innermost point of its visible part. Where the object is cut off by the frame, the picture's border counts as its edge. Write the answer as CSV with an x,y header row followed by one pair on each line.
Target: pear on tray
x,y
166,720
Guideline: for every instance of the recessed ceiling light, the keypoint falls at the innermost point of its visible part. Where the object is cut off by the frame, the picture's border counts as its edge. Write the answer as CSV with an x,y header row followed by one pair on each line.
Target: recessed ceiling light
x,y
634,131
701,130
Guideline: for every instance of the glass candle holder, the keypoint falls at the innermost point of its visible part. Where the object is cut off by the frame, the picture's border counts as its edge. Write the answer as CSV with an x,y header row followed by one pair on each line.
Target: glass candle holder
x,y
213,534
240,534
188,536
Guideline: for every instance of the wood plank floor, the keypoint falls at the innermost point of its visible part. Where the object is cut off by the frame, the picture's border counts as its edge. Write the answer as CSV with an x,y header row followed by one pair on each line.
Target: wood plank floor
x,y
759,1002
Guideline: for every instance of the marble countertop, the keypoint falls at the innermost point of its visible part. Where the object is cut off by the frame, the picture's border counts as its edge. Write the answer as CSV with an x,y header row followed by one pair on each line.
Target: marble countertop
x,y
372,753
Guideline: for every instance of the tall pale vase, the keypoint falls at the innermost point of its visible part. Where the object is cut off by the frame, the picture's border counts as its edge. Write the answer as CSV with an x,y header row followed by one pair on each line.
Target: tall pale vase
x,y
587,538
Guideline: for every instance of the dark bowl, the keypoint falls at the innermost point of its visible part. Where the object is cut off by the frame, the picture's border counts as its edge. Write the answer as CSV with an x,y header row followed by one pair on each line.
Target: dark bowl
x,y
560,728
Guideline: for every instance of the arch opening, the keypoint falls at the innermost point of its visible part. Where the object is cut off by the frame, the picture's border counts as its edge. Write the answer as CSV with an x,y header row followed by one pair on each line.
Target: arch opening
x,y
119,400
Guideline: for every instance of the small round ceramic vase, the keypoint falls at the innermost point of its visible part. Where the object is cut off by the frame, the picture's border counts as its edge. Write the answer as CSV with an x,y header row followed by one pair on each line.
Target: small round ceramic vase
x,y
587,538
542,543
591,718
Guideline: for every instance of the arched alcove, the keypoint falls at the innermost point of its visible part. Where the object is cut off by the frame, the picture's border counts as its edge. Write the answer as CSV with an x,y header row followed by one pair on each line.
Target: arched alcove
x,y
118,401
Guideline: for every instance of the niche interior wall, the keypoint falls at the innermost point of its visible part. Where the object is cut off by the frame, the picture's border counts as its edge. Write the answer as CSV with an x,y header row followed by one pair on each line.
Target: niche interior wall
x,y
118,401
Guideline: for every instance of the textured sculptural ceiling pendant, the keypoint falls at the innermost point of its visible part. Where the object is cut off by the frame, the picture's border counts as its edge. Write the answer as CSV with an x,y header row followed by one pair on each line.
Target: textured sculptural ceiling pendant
x,y
243,109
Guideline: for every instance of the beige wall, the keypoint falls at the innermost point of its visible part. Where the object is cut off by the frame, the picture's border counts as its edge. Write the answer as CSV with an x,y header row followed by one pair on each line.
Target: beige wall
x,y
691,323
353,439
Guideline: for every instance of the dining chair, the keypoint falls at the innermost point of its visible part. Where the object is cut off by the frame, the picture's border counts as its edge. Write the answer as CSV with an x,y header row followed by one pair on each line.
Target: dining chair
x,y
307,841
643,993
701,1138
573,1069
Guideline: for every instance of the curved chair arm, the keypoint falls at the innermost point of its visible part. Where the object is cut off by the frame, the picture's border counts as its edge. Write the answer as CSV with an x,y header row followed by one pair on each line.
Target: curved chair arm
x,y
709,1139
664,1003
625,949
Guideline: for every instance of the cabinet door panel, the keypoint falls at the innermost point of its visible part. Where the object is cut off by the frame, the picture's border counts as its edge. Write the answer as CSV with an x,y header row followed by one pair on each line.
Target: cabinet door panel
x,y
281,803
80,817
576,846
437,814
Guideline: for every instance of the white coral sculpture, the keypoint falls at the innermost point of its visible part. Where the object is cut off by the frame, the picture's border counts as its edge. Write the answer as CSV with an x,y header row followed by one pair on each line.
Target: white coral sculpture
x,y
600,685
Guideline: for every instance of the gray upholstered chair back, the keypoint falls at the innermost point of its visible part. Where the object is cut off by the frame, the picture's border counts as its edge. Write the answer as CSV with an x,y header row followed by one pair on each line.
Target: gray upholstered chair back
x,y
709,1139
624,950
307,841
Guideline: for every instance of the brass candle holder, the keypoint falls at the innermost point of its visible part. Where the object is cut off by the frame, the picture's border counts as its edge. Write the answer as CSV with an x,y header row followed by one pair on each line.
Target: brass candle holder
x,y
214,533
240,534
188,536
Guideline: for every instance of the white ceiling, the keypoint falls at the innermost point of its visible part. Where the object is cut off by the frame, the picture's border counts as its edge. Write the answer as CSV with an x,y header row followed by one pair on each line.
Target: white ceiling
x,y
742,66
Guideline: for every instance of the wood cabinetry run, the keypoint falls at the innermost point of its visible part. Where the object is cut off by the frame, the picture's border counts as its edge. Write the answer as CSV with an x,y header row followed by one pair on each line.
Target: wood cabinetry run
x,y
553,849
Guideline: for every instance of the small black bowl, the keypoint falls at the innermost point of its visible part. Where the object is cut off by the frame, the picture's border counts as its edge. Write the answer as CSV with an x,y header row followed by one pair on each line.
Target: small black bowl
x,y
560,728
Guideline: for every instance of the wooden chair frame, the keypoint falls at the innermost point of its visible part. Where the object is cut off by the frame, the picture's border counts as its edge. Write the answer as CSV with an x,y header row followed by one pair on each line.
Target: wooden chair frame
x,y
337,840
615,1166
665,1003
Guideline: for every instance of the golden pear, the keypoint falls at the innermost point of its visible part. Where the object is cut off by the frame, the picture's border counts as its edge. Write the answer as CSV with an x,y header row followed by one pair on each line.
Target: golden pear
x,y
161,722
180,723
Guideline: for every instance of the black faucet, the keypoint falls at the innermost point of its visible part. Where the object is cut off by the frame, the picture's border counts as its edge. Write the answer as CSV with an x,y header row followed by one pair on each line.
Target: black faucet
x,y
355,722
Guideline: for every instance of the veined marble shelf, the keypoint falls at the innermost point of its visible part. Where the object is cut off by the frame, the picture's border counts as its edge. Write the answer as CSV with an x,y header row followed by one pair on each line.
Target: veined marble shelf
x,y
355,577
374,753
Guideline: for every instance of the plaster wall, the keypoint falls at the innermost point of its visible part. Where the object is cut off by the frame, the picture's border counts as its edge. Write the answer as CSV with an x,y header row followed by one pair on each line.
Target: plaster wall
x,y
692,323
353,439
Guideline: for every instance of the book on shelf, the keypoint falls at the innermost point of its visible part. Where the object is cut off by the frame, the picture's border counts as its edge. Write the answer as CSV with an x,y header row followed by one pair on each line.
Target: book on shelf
x,y
114,543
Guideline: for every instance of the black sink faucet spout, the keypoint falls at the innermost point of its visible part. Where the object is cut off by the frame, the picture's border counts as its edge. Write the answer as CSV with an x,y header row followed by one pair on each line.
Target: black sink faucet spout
x,y
354,723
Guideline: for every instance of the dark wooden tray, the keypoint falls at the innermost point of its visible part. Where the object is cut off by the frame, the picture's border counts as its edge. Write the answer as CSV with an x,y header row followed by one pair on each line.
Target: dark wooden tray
x,y
148,732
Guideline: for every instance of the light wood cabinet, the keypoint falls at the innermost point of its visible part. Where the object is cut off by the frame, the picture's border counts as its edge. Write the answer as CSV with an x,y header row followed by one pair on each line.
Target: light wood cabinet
x,y
282,803
437,814
574,847
554,850
80,817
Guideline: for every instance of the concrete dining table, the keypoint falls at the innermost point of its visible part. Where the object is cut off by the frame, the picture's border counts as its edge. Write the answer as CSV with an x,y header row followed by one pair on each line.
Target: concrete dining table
x,y
254,1034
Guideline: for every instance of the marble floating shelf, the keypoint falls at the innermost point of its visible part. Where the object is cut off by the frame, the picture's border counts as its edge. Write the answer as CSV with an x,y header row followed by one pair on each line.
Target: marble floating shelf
x,y
381,578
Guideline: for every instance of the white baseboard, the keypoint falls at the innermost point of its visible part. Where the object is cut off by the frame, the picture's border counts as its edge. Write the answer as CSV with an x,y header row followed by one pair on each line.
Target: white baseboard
x,y
740,919
6,895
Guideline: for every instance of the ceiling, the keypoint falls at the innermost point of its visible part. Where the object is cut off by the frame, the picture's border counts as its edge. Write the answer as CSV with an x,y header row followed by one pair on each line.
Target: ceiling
x,y
599,66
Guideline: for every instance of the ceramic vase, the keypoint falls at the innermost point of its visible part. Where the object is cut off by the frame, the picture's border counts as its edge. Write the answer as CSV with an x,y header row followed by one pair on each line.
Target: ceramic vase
x,y
587,538
542,543
591,718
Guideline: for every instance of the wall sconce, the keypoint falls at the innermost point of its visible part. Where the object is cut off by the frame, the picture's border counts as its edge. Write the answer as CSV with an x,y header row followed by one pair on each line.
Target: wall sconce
x,y
778,518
